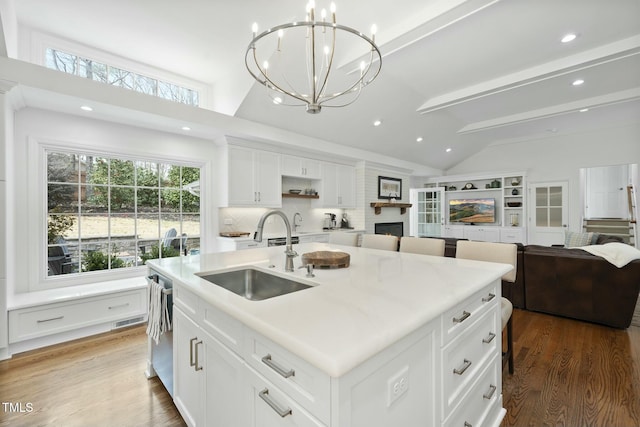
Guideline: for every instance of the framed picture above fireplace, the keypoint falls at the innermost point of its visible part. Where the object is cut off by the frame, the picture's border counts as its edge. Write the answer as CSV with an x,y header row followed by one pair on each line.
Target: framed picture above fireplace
x,y
389,188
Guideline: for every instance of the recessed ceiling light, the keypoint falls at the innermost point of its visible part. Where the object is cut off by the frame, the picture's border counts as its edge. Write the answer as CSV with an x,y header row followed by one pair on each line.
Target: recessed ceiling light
x,y
377,122
86,108
419,139
568,38
577,82
584,110
448,150
186,128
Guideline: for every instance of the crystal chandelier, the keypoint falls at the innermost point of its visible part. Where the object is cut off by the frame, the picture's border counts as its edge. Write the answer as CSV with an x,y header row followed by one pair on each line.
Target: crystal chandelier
x,y
295,61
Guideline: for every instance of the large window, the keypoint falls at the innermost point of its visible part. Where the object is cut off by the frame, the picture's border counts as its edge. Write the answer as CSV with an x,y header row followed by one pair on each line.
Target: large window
x,y
106,213
97,71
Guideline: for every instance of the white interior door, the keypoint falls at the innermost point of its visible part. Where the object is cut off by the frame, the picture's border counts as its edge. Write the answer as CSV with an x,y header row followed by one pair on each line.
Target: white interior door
x,y
427,212
606,192
548,213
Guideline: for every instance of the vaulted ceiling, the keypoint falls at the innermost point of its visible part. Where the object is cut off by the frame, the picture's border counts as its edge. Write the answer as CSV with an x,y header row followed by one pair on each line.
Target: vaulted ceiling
x,y
460,74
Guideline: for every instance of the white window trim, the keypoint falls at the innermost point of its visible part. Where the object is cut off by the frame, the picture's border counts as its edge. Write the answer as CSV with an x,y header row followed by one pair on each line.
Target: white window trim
x,y
40,42
37,148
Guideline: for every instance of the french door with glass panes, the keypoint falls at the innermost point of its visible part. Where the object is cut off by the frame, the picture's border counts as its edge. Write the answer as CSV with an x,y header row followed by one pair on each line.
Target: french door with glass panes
x,y
548,213
427,212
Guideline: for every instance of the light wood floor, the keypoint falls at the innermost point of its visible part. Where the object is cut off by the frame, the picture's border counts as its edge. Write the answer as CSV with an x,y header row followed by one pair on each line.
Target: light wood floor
x,y
568,373
97,381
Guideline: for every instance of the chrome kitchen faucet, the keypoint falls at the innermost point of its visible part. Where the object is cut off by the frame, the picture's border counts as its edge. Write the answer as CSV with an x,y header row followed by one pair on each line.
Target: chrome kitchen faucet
x,y
289,252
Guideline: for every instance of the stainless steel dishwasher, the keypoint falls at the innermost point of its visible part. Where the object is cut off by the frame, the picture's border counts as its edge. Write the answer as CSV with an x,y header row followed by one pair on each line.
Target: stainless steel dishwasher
x,y
160,356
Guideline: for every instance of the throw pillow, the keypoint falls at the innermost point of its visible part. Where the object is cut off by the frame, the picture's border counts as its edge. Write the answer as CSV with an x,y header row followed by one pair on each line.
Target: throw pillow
x,y
574,240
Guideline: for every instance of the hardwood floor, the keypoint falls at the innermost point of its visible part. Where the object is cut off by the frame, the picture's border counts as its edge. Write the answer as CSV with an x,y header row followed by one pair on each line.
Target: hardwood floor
x,y
97,381
567,373
572,373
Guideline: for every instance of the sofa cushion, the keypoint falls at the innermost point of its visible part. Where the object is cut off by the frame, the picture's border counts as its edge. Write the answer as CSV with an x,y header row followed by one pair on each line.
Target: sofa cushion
x,y
606,238
573,239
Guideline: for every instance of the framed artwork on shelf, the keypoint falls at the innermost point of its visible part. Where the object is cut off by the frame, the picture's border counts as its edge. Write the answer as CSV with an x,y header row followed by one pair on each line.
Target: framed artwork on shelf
x,y
389,188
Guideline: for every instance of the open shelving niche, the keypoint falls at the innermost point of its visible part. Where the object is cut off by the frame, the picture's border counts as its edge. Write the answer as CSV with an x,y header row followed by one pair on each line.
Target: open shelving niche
x,y
508,189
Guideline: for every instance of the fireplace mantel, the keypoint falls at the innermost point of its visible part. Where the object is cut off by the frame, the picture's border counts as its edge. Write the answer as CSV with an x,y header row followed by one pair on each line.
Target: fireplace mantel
x,y
379,205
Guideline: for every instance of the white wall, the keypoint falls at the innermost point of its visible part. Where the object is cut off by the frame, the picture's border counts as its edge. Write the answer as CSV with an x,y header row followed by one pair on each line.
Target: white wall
x,y
370,176
6,129
559,158
25,174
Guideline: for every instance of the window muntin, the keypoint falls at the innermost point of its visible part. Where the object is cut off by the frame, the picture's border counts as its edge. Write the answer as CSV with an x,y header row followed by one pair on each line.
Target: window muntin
x,y
106,213
97,71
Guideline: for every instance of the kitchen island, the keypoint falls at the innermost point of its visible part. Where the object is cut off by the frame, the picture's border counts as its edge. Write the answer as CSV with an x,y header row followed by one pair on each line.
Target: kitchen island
x,y
393,340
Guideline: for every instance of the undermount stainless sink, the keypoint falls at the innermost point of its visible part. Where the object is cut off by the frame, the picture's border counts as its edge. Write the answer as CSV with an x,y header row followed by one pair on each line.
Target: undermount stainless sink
x,y
254,284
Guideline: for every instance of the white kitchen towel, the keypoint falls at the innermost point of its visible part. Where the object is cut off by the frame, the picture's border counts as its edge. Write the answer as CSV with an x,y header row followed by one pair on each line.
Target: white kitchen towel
x,y
159,321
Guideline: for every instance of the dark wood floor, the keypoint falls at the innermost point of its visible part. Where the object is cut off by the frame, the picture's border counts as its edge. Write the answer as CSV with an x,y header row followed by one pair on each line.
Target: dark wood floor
x,y
572,373
568,373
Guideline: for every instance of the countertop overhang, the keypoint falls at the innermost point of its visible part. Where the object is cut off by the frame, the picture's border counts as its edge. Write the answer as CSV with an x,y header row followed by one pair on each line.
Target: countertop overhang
x,y
349,314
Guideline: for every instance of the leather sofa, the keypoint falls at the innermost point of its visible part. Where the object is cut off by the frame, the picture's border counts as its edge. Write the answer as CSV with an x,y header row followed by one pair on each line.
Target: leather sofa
x,y
574,283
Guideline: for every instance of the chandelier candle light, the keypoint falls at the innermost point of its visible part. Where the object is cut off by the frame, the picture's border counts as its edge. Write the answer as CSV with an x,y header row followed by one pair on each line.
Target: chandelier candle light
x,y
302,69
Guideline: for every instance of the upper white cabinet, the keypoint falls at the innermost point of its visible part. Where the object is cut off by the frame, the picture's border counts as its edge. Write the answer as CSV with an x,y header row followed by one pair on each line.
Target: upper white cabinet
x,y
337,186
253,178
300,167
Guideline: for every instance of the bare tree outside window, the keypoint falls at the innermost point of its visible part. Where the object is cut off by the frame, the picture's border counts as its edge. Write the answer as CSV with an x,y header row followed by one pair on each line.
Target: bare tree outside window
x,y
104,73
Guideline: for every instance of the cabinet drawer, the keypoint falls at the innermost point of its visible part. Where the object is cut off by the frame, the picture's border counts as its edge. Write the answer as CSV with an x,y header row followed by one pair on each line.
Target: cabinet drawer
x,y
306,384
466,356
220,325
458,318
269,406
187,301
511,235
482,400
33,322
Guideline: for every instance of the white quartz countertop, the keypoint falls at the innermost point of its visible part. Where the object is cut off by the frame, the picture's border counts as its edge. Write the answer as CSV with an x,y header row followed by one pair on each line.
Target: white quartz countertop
x,y
349,314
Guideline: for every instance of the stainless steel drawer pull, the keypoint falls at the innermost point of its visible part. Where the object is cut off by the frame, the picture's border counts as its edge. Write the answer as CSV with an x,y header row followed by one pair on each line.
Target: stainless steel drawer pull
x,y
488,298
191,361
465,366
488,395
113,307
270,363
488,339
198,368
264,395
50,320
465,316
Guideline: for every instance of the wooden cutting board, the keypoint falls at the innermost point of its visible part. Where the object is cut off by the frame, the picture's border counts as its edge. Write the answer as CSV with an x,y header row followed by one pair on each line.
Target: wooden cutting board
x,y
234,233
326,259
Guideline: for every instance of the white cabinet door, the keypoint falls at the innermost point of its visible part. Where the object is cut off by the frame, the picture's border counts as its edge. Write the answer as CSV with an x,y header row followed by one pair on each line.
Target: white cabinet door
x,y
268,179
254,178
338,186
225,389
346,180
188,359
482,234
241,177
453,231
300,167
